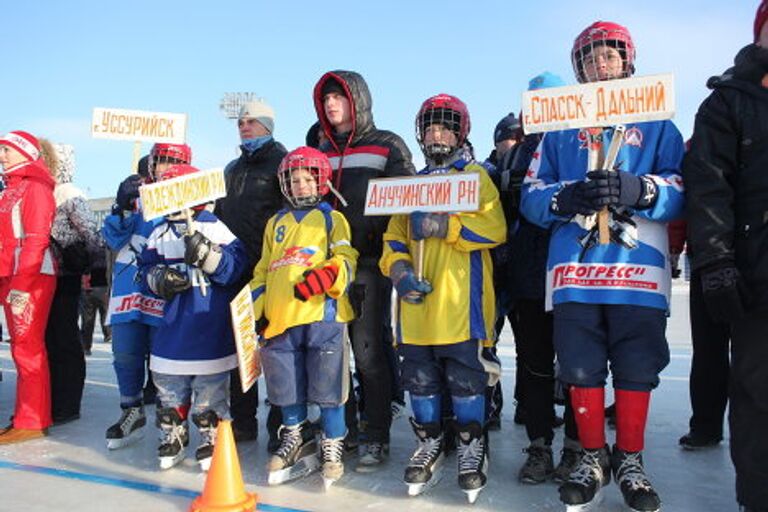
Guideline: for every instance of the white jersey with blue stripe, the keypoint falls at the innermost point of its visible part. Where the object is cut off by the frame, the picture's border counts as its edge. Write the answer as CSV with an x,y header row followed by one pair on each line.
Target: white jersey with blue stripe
x,y
611,273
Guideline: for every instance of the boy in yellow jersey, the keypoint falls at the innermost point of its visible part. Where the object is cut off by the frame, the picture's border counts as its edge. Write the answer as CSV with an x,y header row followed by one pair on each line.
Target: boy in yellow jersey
x,y
299,289
444,319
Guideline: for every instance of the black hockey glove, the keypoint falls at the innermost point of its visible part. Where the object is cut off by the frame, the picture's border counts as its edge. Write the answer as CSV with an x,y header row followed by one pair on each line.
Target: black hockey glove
x,y
624,188
573,199
201,253
166,282
127,193
724,293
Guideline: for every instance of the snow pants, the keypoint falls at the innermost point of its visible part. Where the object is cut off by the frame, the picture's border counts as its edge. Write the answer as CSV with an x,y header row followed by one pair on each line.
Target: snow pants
x,y
26,307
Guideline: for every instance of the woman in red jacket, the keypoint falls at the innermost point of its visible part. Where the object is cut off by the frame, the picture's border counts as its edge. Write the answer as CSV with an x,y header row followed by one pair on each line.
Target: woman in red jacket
x,y
27,279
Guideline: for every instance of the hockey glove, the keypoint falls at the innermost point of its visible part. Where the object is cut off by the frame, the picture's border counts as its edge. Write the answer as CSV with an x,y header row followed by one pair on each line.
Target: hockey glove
x,y
624,188
426,225
166,282
410,289
723,291
127,193
201,253
316,282
572,199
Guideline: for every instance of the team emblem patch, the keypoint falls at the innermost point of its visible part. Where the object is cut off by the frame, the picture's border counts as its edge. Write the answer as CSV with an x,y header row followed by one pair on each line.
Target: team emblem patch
x,y
633,137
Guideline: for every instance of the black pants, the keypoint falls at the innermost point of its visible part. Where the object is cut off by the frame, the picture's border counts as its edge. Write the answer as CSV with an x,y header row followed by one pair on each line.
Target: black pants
x,y
372,365
748,414
243,406
709,366
93,302
65,352
533,330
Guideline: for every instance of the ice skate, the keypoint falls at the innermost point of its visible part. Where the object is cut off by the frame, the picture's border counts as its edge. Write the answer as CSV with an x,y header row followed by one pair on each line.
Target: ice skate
x,y
297,455
424,468
331,451
174,437
583,490
473,459
638,492
128,429
206,423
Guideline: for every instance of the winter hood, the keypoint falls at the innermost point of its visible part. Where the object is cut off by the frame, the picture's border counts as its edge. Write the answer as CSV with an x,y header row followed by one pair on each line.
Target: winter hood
x,y
749,72
356,90
35,171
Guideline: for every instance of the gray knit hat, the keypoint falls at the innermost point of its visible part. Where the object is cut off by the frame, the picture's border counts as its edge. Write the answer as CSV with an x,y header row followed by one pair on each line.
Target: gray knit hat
x,y
260,111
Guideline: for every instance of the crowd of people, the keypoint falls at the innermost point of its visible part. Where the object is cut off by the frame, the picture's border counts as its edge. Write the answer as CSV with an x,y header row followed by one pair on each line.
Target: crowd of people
x,y
419,299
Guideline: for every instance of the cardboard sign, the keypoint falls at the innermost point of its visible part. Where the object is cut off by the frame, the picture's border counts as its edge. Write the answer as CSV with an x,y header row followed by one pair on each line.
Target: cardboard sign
x,y
246,342
138,125
174,195
595,104
436,193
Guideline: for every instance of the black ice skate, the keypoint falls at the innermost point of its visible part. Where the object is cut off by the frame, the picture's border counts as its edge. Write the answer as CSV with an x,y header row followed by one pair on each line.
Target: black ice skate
x,y
583,490
423,469
174,437
331,450
128,429
297,455
473,459
206,423
628,471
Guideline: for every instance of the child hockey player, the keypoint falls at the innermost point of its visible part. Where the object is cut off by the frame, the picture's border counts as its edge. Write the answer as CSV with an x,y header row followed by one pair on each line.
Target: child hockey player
x,y
445,318
193,348
610,301
299,290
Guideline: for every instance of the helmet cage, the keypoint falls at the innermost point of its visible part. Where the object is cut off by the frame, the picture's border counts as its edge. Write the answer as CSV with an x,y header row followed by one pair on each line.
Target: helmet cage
x,y
601,34
449,112
168,153
318,166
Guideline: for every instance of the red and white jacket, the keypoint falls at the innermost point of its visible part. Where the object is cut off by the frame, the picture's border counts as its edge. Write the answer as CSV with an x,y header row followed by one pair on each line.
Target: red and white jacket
x,y
27,209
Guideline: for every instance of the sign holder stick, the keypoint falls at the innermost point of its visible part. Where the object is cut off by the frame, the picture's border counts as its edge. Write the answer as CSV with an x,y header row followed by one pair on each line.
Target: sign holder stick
x,y
136,156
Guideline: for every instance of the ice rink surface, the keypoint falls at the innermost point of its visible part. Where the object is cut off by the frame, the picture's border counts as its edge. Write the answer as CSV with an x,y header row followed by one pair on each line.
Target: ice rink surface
x,y
71,469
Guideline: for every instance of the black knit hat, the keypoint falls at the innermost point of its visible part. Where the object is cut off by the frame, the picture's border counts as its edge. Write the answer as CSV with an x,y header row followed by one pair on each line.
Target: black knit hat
x,y
508,128
331,85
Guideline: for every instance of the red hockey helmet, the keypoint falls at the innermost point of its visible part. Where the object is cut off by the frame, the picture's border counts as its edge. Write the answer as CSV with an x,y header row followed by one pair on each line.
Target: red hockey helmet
x,y
175,171
318,166
170,153
449,111
603,33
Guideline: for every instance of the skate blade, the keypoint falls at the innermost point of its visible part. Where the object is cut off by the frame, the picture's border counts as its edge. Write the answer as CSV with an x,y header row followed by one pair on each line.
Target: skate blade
x,y
169,462
472,494
116,444
592,506
302,468
205,464
328,483
421,488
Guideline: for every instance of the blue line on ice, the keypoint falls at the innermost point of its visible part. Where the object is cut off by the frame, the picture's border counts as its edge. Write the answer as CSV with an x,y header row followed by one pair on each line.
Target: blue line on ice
x,y
120,482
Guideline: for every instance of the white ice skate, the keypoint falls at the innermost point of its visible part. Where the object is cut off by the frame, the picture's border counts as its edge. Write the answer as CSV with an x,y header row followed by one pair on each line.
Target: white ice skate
x,y
425,467
128,429
472,457
174,437
333,468
296,457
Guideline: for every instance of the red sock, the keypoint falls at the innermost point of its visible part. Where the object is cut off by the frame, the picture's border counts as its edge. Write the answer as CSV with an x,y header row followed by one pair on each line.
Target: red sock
x,y
631,414
589,410
183,411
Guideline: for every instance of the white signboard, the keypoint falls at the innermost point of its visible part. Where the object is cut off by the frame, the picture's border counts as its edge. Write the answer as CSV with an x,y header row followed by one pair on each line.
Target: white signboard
x,y
246,342
174,195
139,125
436,193
595,104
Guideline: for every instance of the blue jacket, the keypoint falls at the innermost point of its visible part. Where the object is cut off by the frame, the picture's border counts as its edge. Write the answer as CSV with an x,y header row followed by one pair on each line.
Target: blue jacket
x,y
612,273
195,336
127,234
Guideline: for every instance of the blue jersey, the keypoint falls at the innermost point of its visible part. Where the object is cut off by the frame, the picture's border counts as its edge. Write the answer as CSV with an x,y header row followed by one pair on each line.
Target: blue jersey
x,y
611,273
127,234
195,335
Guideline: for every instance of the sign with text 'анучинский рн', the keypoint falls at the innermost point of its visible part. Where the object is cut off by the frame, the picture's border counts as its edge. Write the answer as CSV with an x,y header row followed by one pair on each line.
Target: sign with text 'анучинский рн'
x,y
138,125
174,195
246,342
436,193
598,104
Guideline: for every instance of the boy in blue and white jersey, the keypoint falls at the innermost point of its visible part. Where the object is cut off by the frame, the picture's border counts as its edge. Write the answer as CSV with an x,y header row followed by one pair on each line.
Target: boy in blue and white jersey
x,y
193,348
610,301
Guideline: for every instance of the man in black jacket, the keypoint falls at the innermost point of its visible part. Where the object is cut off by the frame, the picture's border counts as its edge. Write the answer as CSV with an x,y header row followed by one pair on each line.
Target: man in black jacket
x,y
726,179
358,152
253,196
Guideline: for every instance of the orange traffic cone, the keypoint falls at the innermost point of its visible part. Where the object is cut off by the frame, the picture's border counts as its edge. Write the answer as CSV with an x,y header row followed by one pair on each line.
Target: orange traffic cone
x,y
224,489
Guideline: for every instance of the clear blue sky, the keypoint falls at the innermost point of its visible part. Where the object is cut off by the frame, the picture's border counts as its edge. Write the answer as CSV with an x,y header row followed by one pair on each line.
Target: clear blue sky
x,y
61,59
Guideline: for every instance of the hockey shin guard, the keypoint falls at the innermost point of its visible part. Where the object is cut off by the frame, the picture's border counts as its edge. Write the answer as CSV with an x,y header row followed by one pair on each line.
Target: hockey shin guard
x,y
631,415
589,410
469,409
426,408
333,421
294,414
